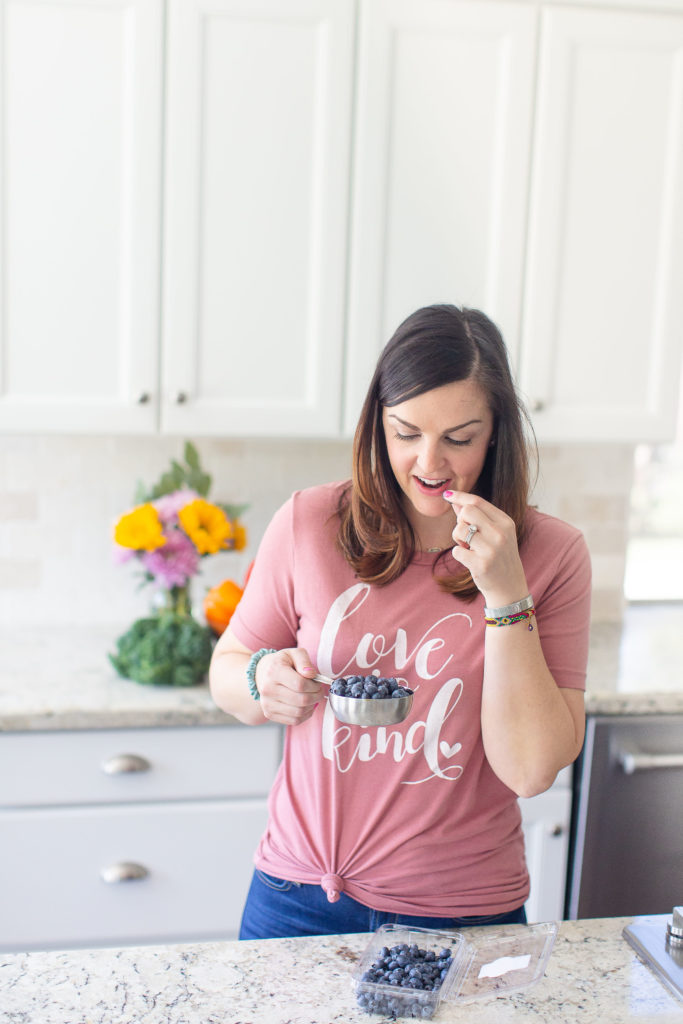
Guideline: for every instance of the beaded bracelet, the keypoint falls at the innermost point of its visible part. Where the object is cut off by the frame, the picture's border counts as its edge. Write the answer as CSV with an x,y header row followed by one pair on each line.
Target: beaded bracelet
x,y
251,670
509,620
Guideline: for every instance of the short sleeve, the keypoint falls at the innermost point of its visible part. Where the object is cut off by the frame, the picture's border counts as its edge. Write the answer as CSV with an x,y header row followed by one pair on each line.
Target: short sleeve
x,y
561,587
266,615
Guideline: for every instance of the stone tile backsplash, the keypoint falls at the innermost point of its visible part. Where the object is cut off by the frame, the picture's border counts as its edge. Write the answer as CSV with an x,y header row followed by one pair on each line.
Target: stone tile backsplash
x,y
59,498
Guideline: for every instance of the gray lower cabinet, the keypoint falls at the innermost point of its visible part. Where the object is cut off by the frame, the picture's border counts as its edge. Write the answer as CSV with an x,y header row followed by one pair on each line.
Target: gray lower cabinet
x,y
130,835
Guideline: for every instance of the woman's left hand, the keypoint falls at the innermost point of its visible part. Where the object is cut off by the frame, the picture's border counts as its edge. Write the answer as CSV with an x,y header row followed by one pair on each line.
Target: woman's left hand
x,y
490,552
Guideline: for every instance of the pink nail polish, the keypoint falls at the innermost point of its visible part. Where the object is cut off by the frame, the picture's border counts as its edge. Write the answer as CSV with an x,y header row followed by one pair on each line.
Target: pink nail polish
x,y
448,494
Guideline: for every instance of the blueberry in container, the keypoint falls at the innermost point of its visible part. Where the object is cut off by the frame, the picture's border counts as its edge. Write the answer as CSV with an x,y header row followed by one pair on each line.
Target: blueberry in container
x,y
369,700
407,972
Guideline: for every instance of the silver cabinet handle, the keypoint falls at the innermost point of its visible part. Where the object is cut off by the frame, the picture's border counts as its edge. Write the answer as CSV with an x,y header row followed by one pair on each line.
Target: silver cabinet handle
x,y
180,397
143,398
124,871
122,764
643,762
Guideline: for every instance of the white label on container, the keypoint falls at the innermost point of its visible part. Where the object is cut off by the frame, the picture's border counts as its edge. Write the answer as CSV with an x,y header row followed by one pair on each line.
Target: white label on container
x,y
504,964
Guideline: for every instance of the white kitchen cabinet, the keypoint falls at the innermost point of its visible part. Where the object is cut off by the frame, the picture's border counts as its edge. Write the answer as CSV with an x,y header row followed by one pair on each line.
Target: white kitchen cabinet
x,y
601,339
258,124
545,823
442,147
236,327
80,165
215,212
130,836
527,159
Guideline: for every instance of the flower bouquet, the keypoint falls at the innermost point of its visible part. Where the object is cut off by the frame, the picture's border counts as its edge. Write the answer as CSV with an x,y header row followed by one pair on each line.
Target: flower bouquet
x,y
170,529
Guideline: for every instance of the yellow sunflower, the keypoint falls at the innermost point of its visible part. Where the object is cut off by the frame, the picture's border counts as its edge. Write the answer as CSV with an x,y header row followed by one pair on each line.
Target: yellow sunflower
x,y
140,529
206,525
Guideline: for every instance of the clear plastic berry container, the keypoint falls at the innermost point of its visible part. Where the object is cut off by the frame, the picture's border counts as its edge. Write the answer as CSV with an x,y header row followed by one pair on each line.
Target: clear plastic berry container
x,y
489,963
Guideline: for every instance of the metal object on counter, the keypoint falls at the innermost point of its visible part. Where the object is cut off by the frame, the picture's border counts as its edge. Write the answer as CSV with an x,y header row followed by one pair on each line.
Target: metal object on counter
x,y
674,934
365,712
658,941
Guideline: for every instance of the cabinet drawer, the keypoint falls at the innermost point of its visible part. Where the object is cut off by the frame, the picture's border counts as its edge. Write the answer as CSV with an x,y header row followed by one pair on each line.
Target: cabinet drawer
x,y
198,860
93,766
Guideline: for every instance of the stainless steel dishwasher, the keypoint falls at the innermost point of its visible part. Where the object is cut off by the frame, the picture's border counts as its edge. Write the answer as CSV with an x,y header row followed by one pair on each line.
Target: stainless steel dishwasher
x,y
626,846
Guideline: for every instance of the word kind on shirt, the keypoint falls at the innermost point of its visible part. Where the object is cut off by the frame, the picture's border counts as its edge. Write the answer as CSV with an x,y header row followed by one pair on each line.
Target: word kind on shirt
x,y
424,737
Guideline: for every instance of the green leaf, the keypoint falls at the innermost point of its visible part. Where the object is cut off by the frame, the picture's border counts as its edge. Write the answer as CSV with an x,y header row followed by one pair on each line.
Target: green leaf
x,y
192,456
177,472
141,494
202,484
232,511
177,477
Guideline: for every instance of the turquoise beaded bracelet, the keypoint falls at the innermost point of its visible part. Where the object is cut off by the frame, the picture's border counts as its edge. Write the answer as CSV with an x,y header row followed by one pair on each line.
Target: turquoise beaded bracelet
x,y
251,670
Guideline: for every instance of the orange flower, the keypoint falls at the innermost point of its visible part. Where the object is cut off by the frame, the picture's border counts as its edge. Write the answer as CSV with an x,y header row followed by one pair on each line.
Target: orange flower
x,y
239,536
220,603
206,525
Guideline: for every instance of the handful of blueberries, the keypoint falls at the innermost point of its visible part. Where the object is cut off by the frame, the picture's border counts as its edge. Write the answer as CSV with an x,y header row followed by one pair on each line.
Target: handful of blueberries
x,y
406,967
369,687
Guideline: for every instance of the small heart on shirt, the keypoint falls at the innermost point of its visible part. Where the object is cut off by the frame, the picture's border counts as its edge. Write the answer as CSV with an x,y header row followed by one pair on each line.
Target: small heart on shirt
x,y
449,751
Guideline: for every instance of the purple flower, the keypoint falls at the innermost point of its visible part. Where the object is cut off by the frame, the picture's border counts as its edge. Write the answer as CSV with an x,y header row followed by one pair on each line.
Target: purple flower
x,y
175,563
168,505
122,555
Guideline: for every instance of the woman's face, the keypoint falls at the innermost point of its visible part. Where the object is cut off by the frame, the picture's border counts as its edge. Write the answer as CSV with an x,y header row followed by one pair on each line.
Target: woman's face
x,y
437,442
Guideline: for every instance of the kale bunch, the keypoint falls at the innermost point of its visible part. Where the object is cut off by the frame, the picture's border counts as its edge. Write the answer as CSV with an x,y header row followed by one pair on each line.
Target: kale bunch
x,y
164,650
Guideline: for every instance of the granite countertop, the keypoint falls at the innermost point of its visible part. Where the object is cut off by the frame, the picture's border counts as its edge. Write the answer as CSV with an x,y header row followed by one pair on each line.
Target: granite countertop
x,y
592,977
60,678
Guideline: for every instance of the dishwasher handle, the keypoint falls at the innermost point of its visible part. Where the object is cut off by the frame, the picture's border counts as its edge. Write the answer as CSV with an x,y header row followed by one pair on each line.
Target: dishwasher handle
x,y
644,762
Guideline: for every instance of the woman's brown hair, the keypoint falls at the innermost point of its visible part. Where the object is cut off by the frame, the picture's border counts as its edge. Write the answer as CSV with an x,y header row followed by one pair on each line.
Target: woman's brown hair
x,y
434,346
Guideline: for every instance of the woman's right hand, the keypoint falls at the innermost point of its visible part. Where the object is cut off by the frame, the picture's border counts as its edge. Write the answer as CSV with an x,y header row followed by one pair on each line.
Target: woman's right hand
x,y
288,693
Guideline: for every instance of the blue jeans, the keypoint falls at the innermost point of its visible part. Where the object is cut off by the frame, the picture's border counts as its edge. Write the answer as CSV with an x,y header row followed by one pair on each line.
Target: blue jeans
x,y
276,908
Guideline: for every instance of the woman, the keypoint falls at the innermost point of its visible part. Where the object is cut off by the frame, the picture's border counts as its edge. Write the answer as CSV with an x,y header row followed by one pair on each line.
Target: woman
x,y
421,567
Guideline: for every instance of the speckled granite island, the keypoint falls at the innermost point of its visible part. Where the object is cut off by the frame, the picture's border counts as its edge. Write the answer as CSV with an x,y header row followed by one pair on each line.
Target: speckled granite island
x,y
592,977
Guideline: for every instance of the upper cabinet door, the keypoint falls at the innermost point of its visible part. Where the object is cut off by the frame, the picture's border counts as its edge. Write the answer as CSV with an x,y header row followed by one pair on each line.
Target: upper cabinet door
x,y
258,126
444,121
80,163
604,298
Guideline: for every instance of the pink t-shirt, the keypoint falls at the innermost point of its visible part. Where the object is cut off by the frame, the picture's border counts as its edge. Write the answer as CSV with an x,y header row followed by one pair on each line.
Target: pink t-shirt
x,y
410,818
